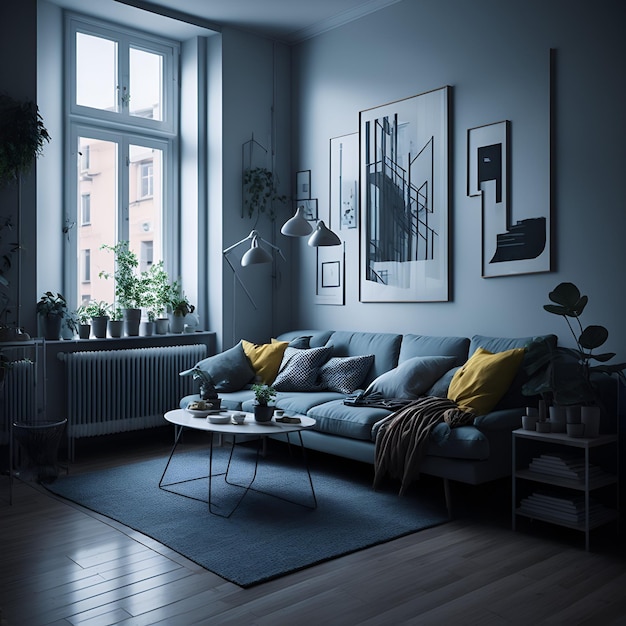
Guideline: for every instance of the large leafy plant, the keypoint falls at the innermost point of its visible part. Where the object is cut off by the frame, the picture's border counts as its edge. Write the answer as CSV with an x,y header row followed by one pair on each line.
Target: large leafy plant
x,y
567,374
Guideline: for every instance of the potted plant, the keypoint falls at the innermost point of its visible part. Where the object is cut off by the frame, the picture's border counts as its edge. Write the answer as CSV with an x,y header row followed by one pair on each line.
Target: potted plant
x,y
129,285
260,191
22,138
83,320
567,375
208,393
116,323
263,395
179,307
158,296
99,313
51,309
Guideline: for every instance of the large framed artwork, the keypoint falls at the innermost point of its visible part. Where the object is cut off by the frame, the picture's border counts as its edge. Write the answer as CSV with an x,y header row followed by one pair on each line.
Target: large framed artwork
x,y
344,179
404,198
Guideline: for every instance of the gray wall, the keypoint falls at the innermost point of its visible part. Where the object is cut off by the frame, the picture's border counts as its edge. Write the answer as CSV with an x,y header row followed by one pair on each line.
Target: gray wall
x,y
495,57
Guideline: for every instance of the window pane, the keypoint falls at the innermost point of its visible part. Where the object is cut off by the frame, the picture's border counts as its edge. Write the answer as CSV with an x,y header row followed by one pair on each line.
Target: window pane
x,y
96,72
146,79
145,203
99,184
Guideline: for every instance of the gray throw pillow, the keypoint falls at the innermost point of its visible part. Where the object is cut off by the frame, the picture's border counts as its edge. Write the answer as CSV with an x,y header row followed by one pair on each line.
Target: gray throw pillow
x,y
345,374
230,370
299,369
412,378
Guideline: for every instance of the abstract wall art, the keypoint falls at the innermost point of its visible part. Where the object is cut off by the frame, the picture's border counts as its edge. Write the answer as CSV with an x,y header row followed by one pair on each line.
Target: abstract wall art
x,y
513,241
404,214
344,179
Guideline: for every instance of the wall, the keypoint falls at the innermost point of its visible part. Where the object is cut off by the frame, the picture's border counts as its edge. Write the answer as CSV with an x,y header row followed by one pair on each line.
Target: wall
x,y
495,57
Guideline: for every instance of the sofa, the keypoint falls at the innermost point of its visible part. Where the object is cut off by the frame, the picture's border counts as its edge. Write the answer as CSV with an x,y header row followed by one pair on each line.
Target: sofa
x,y
399,365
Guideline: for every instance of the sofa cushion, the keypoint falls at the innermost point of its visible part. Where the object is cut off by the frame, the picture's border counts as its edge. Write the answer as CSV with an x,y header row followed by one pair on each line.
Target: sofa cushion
x,y
336,418
513,397
317,338
384,346
299,402
344,373
299,369
462,442
479,384
265,358
412,378
424,345
230,370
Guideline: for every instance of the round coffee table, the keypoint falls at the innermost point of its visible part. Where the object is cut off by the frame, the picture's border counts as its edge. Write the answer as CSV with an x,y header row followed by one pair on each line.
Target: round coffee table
x,y
182,419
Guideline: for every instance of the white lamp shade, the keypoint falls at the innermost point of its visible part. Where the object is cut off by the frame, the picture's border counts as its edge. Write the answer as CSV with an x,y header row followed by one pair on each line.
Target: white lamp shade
x,y
297,226
323,236
255,255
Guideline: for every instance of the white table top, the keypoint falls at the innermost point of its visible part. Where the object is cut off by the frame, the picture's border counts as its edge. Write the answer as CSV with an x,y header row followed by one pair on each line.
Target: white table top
x,y
180,417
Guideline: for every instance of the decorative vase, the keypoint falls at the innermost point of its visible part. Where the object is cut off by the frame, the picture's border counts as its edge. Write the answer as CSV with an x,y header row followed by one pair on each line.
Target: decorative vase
x,y
263,413
162,324
529,422
99,326
132,319
116,328
146,329
84,330
590,417
177,323
52,327
573,414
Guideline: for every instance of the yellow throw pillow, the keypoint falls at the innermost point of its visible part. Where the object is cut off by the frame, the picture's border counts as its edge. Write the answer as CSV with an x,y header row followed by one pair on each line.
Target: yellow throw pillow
x,y
265,358
480,384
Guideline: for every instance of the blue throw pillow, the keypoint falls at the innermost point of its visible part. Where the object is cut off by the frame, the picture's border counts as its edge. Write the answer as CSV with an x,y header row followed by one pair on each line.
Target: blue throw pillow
x,y
345,374
412,378
230,370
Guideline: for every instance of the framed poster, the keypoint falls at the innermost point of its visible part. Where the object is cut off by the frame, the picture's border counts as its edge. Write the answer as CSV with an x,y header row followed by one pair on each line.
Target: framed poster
x,y
513,242
344,179
404,170
330,287
303,185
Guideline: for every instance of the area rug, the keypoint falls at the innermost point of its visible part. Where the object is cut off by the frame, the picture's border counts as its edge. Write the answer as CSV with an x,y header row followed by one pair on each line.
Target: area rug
x,y
266,537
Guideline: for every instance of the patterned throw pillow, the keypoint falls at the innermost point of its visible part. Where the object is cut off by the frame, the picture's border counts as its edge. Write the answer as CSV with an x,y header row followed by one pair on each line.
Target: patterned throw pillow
x,y
300,368
345,374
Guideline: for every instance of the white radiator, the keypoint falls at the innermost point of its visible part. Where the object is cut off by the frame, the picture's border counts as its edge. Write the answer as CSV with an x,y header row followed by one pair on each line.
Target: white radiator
x,y
18,394
112,391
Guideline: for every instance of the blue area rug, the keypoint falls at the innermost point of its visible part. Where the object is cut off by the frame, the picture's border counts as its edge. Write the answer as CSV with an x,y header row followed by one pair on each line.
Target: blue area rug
x,y
265,537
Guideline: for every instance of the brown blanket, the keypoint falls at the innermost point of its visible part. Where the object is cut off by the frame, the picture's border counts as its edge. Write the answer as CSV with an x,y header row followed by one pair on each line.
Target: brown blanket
x,y
403,436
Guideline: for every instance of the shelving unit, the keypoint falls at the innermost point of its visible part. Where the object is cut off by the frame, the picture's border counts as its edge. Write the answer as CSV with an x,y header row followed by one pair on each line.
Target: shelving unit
x,y
570,503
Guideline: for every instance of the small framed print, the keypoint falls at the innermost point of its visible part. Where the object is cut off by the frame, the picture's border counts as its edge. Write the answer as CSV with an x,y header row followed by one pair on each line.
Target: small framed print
x,y
344,179
330,275
303,185
309,206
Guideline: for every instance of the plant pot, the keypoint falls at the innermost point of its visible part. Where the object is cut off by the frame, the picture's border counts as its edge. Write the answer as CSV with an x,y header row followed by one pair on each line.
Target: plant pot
x,y
116,328
576,430
558,419
263,413
84,331
132,319
529,422
99,326
543,427
590,417
146,329
51,327
161,325
573,414
177,323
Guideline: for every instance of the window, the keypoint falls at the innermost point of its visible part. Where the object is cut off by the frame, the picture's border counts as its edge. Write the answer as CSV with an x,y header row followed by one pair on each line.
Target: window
x,y
123,141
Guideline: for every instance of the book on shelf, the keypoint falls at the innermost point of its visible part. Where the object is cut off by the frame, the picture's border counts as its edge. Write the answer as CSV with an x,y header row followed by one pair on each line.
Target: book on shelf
x,y
563,465
564,509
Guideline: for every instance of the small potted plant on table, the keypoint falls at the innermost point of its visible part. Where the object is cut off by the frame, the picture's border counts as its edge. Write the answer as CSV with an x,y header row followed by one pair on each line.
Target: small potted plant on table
x,y
263,394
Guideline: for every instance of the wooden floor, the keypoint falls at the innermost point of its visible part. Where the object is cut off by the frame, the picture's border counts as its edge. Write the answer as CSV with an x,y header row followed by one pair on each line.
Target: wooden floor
x,y
60,564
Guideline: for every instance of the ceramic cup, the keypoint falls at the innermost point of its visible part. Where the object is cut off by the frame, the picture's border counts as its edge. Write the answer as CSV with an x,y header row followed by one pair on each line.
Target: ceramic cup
x,y
239,418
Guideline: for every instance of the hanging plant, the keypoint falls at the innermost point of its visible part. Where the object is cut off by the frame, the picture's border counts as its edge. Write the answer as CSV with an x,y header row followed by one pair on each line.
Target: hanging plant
x,y
22,137
260,192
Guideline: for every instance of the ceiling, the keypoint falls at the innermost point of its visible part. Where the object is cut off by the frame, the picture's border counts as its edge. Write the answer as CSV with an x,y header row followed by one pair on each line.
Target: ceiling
x,y
289,21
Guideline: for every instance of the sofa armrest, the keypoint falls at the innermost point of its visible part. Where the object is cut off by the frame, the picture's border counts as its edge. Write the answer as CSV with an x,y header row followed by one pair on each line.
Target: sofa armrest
x,y
503,419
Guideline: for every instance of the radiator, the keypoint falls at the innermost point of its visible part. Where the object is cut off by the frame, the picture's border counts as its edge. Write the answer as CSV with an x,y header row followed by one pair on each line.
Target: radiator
x,y
112,391
18,399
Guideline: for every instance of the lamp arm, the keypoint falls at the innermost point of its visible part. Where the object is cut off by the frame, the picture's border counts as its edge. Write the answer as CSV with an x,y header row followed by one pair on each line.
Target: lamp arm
x,y
232,267
271,245
248,238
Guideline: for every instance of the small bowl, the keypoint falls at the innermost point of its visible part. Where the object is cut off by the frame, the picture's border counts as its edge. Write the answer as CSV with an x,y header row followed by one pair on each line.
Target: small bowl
x,y
279,412
219,419
238,418
198,413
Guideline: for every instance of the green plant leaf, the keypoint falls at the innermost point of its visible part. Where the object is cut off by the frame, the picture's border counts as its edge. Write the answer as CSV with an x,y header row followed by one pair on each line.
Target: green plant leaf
x,y
565,294
593,337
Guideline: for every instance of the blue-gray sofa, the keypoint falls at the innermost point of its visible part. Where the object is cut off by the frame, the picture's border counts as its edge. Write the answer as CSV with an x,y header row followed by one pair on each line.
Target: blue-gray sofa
x,y
472,454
